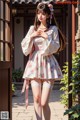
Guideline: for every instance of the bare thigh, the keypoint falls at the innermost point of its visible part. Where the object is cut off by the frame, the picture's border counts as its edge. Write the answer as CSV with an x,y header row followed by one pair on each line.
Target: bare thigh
x,y
36,90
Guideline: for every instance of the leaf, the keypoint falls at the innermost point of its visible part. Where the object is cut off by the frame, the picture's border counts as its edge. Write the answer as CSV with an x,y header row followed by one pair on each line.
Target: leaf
x,y
71,84
75,115
69,111
70,91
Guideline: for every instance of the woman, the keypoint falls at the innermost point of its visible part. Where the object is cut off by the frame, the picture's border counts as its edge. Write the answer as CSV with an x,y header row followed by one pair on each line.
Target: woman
x,y
42,69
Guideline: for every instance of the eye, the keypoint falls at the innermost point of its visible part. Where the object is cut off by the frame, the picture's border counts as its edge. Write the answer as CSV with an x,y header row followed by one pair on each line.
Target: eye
x,y
43,13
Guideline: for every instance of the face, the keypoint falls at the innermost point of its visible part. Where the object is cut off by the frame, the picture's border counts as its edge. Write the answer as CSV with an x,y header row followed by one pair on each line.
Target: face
x,y
42,16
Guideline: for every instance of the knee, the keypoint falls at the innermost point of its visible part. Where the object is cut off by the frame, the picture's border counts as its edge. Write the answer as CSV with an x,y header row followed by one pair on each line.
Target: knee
x,y
43,104
37,99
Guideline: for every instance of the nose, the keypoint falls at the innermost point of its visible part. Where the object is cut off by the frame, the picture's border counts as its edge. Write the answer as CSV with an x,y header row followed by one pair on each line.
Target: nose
x,y
40,14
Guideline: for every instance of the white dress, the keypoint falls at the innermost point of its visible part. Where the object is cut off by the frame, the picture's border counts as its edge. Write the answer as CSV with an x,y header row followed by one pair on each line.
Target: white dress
x,y
42,64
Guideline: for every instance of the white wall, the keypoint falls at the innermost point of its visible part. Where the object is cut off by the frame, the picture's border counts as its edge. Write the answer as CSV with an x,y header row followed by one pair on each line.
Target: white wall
x,y
18,36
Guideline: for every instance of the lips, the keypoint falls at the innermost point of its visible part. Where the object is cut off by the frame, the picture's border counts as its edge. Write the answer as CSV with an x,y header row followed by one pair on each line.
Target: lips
x,y
40,19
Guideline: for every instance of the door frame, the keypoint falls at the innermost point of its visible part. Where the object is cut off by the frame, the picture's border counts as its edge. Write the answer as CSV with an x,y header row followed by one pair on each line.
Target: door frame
x,y
6,59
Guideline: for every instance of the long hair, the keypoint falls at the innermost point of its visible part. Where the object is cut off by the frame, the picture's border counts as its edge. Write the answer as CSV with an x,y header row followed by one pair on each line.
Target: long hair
x,y
62,39
45,9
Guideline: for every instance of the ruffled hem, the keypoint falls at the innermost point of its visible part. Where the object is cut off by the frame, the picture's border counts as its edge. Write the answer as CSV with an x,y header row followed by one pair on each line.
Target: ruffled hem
x,y
34,78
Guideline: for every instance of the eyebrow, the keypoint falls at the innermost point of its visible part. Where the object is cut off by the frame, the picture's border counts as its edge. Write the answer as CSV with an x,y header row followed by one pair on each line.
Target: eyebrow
x,y
41,11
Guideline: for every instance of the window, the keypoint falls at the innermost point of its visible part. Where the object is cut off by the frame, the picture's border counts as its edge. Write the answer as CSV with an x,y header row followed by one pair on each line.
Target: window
x,y
4,30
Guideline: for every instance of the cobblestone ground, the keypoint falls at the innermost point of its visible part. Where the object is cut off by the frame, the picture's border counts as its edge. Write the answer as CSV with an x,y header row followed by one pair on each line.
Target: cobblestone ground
x,y
19,112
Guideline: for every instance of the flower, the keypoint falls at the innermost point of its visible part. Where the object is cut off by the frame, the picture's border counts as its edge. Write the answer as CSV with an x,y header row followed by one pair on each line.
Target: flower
x,y
51,7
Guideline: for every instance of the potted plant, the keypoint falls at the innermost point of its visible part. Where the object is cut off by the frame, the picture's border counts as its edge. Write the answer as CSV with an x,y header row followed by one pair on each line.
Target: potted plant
x,y
17,75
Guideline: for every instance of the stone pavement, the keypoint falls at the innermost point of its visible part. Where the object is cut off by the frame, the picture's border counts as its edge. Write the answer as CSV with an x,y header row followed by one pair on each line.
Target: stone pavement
x,y
19,112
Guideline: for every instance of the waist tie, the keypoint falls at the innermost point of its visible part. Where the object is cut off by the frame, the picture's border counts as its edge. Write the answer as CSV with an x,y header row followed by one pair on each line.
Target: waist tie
x,y
25,89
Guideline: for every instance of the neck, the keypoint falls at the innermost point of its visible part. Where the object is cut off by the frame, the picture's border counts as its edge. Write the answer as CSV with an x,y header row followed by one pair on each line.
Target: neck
x,y
43,25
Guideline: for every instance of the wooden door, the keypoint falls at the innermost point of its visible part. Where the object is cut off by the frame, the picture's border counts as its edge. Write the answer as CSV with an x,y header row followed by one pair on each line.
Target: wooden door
x,y
5,60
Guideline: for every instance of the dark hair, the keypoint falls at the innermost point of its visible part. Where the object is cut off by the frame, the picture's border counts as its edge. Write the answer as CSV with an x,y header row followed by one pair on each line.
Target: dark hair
x,y
44,8
62,39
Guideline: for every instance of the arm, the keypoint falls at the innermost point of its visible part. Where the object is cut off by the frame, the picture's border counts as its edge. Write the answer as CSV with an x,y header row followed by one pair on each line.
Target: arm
x,y
52,43
27,43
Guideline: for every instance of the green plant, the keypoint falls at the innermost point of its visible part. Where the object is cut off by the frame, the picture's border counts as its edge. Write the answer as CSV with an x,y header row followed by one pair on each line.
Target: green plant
x,y
13,87
74,111
64,81
76,76
17,75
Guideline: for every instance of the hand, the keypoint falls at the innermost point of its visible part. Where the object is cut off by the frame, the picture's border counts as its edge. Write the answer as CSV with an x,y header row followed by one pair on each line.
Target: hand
x,y
35,34
39,33
42,34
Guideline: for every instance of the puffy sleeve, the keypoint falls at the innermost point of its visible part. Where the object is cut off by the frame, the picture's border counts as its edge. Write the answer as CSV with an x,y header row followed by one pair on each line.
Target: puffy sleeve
x,y
26,43
52,43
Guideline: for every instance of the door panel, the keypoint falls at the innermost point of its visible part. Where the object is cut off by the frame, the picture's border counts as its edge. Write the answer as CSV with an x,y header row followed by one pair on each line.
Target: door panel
x,y
5,81
5,60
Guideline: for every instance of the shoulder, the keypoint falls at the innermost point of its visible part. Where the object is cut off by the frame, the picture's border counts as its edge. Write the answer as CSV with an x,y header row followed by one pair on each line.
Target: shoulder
x,y
54,27
31,27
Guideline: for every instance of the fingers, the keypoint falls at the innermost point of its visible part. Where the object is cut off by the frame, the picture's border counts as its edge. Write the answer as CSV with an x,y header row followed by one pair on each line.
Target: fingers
x,y
39,32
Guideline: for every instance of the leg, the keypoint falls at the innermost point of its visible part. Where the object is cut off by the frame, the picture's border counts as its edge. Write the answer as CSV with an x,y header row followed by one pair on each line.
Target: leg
x,y
45,99
36,89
